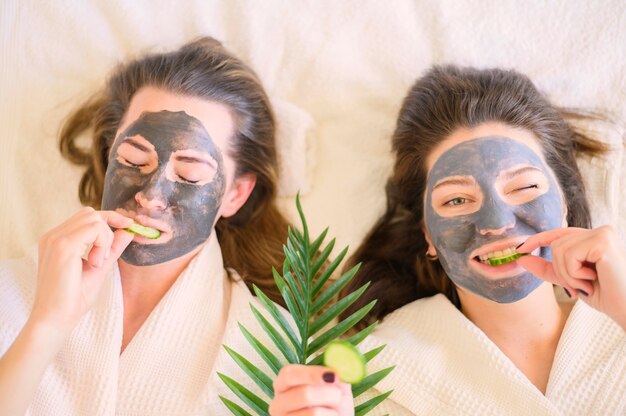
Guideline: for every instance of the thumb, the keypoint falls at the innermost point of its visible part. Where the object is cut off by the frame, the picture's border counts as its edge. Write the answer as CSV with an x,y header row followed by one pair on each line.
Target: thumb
x,y
541,268
121,240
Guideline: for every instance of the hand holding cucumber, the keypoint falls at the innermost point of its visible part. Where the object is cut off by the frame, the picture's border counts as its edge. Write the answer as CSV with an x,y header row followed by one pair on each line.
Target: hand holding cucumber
x,y
303,388
67,284
589,263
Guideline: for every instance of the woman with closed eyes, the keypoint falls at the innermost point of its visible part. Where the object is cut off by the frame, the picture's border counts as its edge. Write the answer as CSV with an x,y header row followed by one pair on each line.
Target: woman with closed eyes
x,y
102,321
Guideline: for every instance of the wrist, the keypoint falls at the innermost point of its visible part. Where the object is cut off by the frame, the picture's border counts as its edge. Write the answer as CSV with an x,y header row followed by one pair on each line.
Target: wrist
x,y
44,333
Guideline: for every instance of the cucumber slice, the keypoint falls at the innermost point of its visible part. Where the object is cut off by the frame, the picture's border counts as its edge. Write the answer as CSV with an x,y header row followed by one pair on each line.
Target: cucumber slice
x,y
144,231
346,361
496,261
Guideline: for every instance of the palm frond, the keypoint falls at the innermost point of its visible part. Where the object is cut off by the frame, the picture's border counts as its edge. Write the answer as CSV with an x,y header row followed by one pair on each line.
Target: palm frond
x,y
304,285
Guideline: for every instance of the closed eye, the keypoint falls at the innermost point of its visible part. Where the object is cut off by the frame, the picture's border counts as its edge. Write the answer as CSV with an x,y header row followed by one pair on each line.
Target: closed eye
x,y
532,186
187,180
134,165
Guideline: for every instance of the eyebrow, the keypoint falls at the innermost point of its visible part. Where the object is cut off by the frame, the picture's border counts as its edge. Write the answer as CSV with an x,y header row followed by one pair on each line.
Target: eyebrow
x,y
136,144
463,181
192,159
507,176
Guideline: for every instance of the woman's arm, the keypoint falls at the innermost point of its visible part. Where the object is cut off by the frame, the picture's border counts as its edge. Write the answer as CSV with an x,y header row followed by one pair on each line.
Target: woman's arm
x,y
589,263
67,287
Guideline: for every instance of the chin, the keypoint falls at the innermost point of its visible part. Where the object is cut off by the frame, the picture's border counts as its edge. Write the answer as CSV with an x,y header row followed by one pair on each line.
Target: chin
x,y
508,290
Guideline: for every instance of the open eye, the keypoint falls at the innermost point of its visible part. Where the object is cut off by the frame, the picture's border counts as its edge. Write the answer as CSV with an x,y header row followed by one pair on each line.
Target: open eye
x,y
456,201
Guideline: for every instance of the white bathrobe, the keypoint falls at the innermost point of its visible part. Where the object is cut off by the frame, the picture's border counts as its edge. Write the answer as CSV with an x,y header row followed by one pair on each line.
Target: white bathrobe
x,y
169,367
445,365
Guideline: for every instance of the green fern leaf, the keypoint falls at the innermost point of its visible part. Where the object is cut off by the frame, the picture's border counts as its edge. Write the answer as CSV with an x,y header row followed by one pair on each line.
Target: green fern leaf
x,y
332,312
270,359
369,356
278,317
249,398
279,341
260,378
327,295
370,381
369,405
234,408
304,286
339,329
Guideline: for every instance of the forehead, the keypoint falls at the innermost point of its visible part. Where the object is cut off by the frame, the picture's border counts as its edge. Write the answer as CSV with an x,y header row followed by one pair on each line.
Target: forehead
x,y
169,131
215,117
489,129
484,155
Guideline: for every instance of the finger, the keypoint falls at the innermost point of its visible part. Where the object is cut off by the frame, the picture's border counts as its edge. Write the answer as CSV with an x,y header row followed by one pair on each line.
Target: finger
x,y
318,411
115,219
544,270
569,260
307,396
95,275
101,244
544,239
121,240
541,268
296,375
580,269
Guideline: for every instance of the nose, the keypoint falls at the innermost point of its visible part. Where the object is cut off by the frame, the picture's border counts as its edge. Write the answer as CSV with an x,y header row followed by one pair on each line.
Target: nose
x,y
153,196
495,217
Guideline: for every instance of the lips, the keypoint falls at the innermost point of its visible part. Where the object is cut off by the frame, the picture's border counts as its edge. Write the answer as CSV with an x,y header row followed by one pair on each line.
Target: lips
x,y
500,245
165,229
507,246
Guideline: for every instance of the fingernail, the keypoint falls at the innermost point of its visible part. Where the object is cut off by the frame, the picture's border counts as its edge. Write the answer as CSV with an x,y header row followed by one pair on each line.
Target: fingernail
x,y
582,292
569,295
329,377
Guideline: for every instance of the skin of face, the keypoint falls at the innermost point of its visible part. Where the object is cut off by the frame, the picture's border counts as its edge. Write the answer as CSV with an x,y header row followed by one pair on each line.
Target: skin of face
x,y
486,194
166,171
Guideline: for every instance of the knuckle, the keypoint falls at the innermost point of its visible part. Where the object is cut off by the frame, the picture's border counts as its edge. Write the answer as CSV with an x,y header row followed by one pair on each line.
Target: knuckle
x,y
307,393
607,233
62,243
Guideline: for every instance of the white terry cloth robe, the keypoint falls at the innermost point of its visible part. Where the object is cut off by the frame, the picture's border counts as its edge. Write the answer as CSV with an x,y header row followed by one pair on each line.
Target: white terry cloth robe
x,y
445,365
168,368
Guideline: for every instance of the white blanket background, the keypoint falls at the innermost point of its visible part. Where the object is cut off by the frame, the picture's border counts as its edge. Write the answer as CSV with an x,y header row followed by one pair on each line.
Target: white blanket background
x,y
337,71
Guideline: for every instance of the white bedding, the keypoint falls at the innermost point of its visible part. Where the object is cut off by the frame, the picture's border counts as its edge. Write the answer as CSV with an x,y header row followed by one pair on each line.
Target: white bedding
x,y
337,71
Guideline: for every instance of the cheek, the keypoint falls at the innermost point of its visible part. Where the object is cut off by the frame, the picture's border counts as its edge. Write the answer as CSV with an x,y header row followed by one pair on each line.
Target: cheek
x,y
455,235
544,213
203,199
121,185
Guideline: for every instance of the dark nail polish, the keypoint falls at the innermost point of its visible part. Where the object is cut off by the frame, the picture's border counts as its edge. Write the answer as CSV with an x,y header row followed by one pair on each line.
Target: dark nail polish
x,y
329,377
569,295
582,292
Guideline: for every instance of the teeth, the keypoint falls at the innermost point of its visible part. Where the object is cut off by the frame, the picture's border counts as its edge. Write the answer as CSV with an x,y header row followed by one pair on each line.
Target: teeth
x,y
484,258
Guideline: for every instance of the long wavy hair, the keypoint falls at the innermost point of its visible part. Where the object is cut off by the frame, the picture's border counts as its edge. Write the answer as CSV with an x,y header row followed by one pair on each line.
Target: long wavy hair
x,y
393,254
251,240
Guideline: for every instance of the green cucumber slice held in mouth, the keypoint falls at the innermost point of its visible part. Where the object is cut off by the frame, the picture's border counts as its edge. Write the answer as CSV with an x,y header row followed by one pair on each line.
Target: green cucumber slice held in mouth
x,y
497,261
343,358
144,231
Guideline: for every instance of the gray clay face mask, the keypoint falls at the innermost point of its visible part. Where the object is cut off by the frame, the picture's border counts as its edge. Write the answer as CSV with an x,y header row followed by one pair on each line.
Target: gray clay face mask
x,y
510,207
166,172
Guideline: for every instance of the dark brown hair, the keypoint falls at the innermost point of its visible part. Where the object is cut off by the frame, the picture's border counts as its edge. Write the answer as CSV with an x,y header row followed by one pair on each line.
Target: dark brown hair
x,y
393,254
252,239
